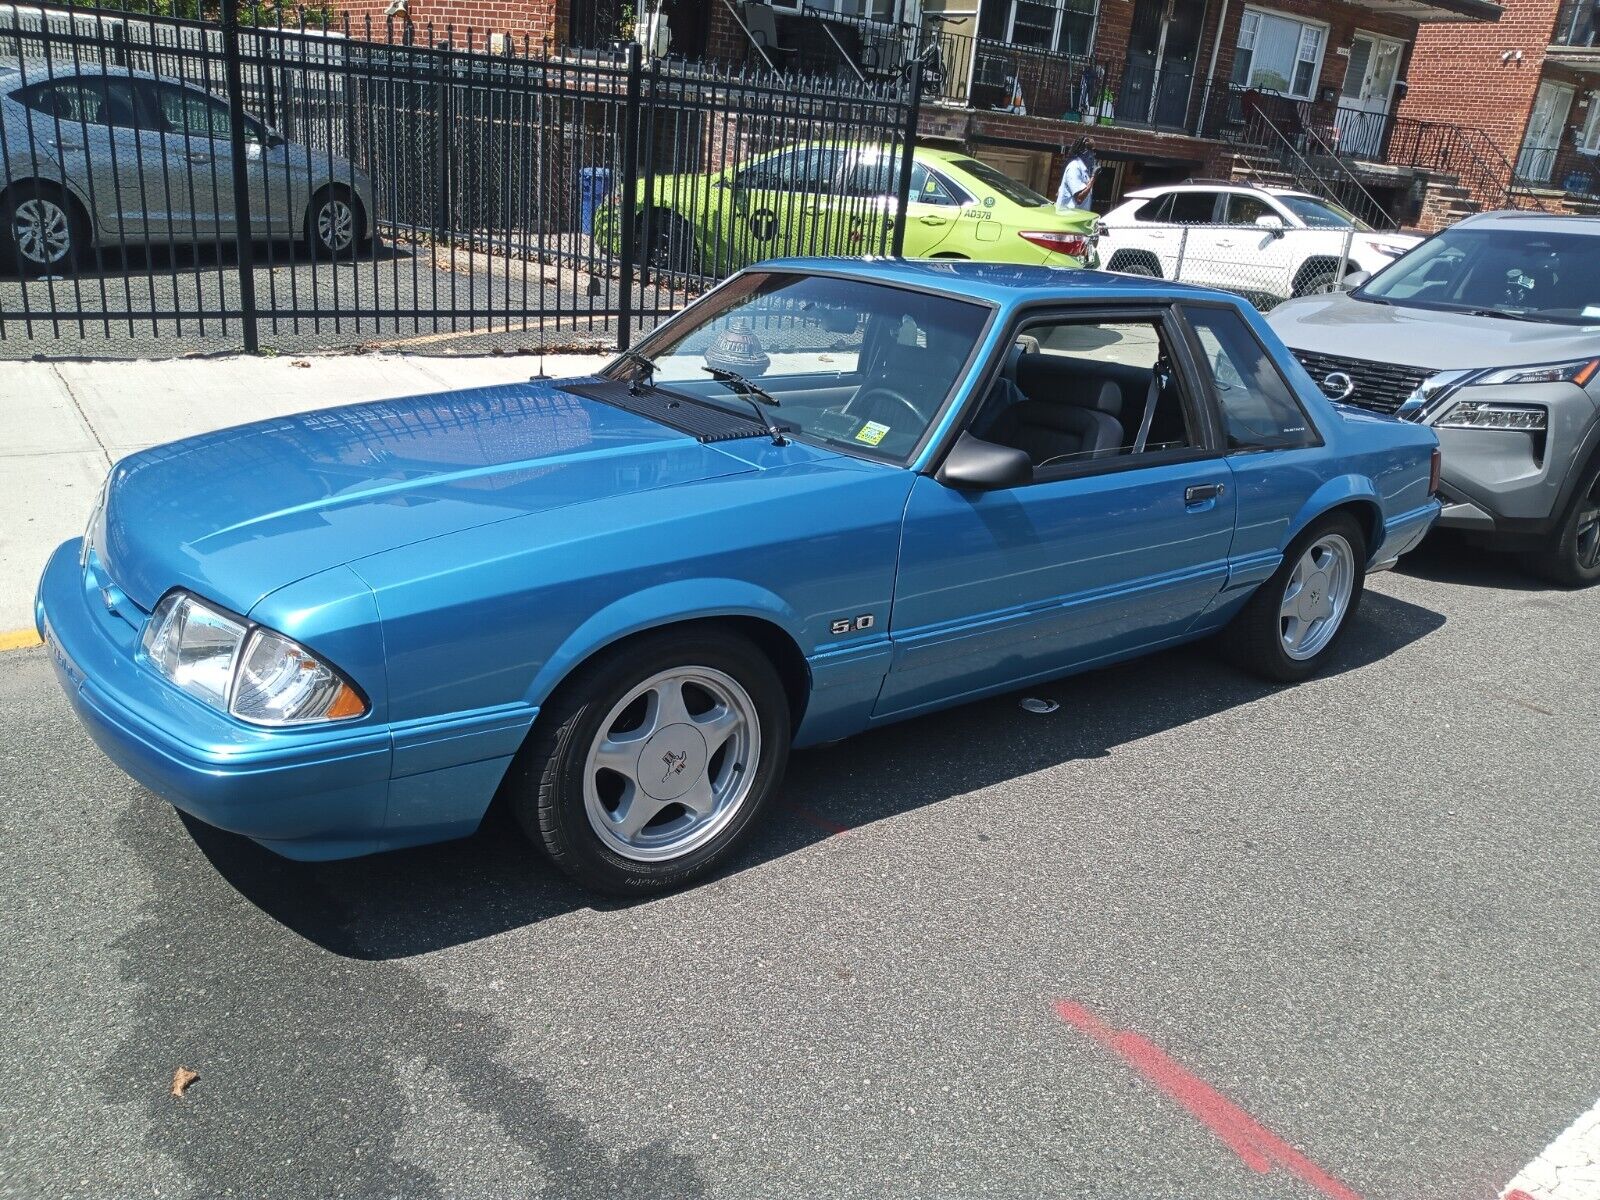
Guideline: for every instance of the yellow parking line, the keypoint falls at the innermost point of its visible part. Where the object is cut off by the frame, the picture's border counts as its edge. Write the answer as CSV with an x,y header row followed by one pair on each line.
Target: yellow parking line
x,y
19,639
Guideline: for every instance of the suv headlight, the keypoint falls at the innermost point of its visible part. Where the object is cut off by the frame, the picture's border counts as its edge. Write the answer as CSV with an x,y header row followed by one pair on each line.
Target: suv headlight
x,y
247,670
1579,372
1483,414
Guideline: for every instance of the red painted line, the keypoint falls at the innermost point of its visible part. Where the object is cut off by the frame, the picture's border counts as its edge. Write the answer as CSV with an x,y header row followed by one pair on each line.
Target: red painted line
x,y
812,817
1257,1146
1519,1194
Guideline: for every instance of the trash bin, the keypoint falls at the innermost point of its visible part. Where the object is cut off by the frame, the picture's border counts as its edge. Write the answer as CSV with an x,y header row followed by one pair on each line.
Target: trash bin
x,y
594,185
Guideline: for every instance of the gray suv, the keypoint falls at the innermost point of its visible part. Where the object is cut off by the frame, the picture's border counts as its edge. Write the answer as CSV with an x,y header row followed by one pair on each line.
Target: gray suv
x,y
92,156
1490,333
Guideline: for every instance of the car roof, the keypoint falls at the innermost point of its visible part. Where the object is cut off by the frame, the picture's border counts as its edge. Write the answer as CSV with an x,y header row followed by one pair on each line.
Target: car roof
x,y
1164,188
37,72
1003,284
1534,222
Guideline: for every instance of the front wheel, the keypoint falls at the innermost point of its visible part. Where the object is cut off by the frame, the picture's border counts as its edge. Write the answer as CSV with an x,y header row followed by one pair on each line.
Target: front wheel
x,y
1292,623
651,765
42,232
1572,558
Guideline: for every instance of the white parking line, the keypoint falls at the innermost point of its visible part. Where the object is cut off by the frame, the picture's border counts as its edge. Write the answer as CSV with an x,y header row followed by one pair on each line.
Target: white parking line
x,y
1569,1168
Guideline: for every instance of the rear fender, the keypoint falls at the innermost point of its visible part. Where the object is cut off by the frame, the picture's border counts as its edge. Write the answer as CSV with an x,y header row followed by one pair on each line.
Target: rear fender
x,y
1341,490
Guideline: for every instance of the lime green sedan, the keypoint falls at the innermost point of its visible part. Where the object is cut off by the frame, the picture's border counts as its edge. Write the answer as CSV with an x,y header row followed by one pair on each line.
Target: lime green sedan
x,y
820,199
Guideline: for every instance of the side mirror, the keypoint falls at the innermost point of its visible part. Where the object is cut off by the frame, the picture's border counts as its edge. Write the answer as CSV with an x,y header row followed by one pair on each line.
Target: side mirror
x,y
1271,222
976,465
1355,279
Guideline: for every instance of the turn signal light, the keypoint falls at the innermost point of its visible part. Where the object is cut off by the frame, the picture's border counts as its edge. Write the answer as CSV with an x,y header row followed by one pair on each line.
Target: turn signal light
x,y
1433,472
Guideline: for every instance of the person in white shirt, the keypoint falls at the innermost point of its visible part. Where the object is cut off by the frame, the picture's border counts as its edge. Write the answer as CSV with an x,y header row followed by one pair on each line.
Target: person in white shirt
x,y
1077,181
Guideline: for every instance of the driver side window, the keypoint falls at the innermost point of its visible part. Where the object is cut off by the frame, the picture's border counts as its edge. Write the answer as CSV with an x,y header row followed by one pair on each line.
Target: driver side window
x,y
1080,392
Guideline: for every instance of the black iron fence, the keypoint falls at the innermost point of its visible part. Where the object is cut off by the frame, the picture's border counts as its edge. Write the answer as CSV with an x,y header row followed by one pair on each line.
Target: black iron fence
x,y
173,183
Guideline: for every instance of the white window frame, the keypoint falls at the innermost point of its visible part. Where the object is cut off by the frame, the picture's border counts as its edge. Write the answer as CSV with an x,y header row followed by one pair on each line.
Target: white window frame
x,y
1305,23
1060,7
1589,141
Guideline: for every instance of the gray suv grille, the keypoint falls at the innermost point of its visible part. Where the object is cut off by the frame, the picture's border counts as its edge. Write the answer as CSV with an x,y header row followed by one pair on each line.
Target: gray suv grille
x,y
1380,386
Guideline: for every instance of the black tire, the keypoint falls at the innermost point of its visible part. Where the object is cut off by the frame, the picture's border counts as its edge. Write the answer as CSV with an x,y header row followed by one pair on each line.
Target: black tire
x,y
322,238
1572,557
1135,263
1314,281
31,209
670,246
547,783
1254,639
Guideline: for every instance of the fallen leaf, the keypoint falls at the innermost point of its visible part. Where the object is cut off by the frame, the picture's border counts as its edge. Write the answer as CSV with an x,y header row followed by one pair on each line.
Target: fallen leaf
x,y
300,362
181,1079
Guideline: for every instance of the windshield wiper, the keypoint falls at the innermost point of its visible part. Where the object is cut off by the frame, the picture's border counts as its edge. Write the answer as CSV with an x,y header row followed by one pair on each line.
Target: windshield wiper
x,y
644,361
752,393
1502,315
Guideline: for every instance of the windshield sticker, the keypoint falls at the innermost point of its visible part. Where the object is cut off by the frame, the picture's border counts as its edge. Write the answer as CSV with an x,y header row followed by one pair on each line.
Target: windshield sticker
x,y
871,433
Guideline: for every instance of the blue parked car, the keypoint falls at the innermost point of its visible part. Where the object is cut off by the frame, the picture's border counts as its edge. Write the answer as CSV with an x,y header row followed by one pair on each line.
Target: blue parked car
x,y
830,495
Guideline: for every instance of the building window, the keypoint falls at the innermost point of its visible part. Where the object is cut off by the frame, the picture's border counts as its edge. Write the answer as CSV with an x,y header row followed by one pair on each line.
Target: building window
x,y
1066,26
1589,143
1279,54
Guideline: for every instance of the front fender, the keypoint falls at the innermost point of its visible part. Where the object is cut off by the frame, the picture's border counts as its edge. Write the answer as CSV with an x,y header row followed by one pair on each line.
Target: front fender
x,y
655,607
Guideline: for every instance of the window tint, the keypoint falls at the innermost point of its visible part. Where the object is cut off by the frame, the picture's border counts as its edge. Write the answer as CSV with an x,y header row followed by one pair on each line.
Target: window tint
x,y
805,169
1193,208
928,188
84,101
1538,275
1158,210
1258,408
1088,392
1244,209
876,176
192,114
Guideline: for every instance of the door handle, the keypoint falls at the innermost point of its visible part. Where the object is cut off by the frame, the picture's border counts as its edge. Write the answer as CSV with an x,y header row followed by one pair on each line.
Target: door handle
x,y
1199,493
933,220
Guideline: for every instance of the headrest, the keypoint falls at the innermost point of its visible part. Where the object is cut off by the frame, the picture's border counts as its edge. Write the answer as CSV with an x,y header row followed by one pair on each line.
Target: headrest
x,y
1108,399
1053,376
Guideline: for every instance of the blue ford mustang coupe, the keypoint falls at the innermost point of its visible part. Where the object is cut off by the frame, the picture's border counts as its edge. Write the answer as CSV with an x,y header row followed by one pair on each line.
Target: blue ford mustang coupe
x,y
829,495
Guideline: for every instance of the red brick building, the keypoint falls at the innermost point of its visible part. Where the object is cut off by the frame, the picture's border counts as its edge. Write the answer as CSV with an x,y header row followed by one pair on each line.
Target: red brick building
x,y
1533,84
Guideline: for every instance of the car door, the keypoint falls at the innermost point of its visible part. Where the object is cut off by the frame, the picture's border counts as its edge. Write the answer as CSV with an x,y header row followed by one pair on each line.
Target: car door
x,y
1198,256
861,216
88,126
1109,550
1249,257
780,204
198,160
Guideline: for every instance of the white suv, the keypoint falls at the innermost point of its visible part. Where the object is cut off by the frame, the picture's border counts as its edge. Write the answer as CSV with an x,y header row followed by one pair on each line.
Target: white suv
x,y
1270,242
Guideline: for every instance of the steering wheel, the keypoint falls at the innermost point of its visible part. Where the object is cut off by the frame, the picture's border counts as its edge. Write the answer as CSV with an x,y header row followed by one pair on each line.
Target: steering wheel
x,y
878,390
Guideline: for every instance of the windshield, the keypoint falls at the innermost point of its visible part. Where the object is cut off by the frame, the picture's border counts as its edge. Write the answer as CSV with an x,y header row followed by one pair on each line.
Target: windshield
x,y
854,365
1321,214
999,181
1521,273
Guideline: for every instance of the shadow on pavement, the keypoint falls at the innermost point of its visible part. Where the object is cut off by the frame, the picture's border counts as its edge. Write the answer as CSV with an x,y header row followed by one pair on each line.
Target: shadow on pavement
x,y
1448,557
416,901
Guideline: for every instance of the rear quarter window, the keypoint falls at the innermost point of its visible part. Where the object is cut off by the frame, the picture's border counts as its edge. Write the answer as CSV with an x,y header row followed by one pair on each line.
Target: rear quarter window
x,y
1259,409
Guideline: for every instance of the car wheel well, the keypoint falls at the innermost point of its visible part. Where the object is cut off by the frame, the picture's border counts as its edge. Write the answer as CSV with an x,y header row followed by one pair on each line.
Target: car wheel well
x,y
771,639
1368,516
80,214
1123,259
350,194
1314,267
951,255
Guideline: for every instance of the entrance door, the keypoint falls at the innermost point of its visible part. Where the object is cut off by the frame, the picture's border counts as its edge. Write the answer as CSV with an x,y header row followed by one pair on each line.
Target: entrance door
x,y
1368,91
1537,162
1163,43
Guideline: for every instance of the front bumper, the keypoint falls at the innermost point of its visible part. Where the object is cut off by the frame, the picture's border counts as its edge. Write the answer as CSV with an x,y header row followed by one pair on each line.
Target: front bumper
x,y
306,794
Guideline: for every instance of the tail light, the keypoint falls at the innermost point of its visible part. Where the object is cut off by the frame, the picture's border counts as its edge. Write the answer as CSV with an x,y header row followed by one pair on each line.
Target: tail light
x,y
1075,244
1433,472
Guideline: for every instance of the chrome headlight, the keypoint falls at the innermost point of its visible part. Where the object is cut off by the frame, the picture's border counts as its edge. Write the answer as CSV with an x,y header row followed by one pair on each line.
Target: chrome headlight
x,y
247,670
1579,372
1484,414
94,531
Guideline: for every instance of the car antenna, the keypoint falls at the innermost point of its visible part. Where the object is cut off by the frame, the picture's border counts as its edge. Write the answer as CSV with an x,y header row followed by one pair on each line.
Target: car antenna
x,y
753,394
646,362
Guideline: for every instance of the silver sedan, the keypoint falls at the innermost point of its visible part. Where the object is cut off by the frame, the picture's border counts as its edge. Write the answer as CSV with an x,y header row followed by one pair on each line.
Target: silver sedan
x,y
115,157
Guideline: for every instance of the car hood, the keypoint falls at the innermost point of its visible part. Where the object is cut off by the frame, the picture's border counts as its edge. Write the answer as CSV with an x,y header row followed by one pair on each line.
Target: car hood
x,y
1423,337
237,514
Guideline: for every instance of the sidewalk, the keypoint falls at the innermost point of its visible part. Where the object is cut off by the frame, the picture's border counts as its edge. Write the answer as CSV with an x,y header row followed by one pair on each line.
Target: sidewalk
x,y
62,425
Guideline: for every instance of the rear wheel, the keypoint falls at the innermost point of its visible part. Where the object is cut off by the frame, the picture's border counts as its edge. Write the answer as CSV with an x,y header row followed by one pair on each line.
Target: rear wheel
x,y
667,244
650,766
43,232
1317,280
1572,557
1135,264
1292,623
335,224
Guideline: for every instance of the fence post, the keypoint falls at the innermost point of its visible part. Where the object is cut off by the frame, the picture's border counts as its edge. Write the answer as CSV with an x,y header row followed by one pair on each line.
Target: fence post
x,y
234,77
1183,244
902,201
441,141
628,194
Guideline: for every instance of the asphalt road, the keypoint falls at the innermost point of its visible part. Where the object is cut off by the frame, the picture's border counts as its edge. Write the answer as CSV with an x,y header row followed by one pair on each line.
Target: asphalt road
x,y
1354,925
